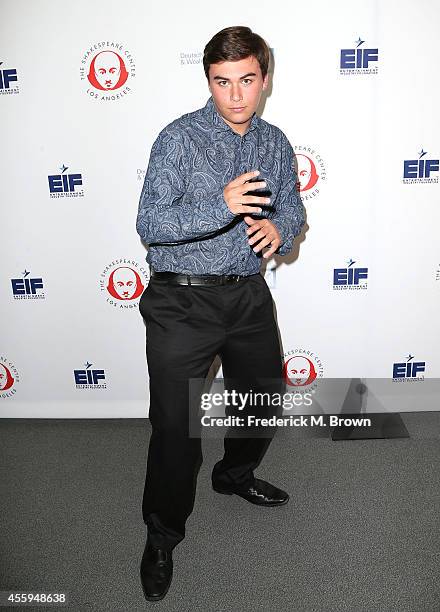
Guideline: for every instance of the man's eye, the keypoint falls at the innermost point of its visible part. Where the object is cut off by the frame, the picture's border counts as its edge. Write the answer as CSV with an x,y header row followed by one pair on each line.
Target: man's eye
x,y
222,83
247,81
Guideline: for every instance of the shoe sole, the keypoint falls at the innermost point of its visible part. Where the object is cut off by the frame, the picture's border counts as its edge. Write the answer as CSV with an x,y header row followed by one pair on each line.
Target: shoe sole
x,y
252,502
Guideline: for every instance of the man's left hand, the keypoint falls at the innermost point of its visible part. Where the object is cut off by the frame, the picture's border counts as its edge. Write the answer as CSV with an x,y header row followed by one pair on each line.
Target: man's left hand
x,y
265,233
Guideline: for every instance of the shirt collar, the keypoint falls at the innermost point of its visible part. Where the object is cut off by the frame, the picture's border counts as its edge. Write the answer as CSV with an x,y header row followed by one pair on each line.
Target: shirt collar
x,y
213,116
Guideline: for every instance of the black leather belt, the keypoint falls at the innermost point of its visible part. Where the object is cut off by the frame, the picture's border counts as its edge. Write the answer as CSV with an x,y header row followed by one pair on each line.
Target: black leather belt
x,y
175,278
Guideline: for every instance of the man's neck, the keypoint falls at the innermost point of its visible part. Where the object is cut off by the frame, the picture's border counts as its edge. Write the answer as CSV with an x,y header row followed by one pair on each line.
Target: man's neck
x,y
239,128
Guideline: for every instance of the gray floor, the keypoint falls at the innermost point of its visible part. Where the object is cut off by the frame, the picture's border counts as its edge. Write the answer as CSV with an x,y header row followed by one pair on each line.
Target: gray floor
x,y
361,532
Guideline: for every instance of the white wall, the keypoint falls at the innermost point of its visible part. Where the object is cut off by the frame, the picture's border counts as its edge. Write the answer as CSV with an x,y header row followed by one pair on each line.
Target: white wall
x,y
361,127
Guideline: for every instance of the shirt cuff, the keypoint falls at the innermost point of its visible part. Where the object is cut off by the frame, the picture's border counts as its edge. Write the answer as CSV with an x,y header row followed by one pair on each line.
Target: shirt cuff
x,y
285,245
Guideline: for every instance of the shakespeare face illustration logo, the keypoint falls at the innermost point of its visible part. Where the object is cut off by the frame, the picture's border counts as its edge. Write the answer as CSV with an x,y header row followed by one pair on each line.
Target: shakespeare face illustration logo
x,y
307,175
6,378
107,71
299,371
125,284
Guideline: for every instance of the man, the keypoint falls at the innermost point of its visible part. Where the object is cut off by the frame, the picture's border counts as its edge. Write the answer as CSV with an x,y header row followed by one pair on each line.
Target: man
x,y
206,296
107,71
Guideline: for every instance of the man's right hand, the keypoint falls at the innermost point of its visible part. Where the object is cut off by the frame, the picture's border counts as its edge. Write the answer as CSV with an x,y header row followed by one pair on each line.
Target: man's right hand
x,y
236,201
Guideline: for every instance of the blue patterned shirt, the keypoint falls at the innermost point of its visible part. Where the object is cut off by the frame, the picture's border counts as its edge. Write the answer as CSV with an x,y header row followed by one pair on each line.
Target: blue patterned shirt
x,y
191,162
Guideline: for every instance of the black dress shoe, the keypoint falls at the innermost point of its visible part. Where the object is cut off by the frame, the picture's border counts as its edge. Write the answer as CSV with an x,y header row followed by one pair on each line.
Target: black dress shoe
x,y
156,572
261,493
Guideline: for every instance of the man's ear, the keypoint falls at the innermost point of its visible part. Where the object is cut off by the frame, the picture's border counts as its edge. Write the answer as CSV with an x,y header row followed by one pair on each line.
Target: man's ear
x,y
266,81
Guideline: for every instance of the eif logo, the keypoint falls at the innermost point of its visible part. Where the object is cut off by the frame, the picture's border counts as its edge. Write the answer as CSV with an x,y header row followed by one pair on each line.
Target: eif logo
x,y
8,76
359,60
409,370
27,287
420,170
89,378
65,185
350,277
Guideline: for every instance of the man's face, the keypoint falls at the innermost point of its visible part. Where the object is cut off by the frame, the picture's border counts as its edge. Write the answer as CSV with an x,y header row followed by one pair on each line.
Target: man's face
x,y
304,171
298,370
3,376
236,89
124,281
107,69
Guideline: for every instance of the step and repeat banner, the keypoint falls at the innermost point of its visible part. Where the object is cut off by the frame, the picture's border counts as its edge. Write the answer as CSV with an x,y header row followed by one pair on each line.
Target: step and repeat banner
x,y
85,90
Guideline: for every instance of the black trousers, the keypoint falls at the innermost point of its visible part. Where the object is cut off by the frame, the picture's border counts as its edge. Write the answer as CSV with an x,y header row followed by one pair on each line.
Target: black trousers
x,y
186,327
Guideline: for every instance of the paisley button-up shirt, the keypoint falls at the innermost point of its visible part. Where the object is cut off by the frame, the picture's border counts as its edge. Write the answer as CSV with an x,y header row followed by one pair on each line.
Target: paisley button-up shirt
x,y
191,161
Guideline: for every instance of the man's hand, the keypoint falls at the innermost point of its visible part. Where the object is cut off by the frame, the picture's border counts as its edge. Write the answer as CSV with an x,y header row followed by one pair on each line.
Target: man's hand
x,y
265,232
236,201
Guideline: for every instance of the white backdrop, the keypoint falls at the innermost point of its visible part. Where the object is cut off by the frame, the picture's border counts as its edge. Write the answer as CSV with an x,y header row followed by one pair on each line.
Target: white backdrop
x,y
354,131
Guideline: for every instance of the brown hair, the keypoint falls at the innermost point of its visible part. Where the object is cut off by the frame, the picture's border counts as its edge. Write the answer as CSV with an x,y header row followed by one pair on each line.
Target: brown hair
x,y
233,44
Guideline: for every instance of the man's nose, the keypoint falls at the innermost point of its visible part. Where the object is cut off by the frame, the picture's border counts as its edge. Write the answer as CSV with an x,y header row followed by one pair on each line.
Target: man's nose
x,y
236,93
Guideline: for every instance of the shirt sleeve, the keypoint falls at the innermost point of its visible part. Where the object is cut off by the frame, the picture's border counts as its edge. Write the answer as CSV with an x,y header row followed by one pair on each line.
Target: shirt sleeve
x,y
168,210
289,213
